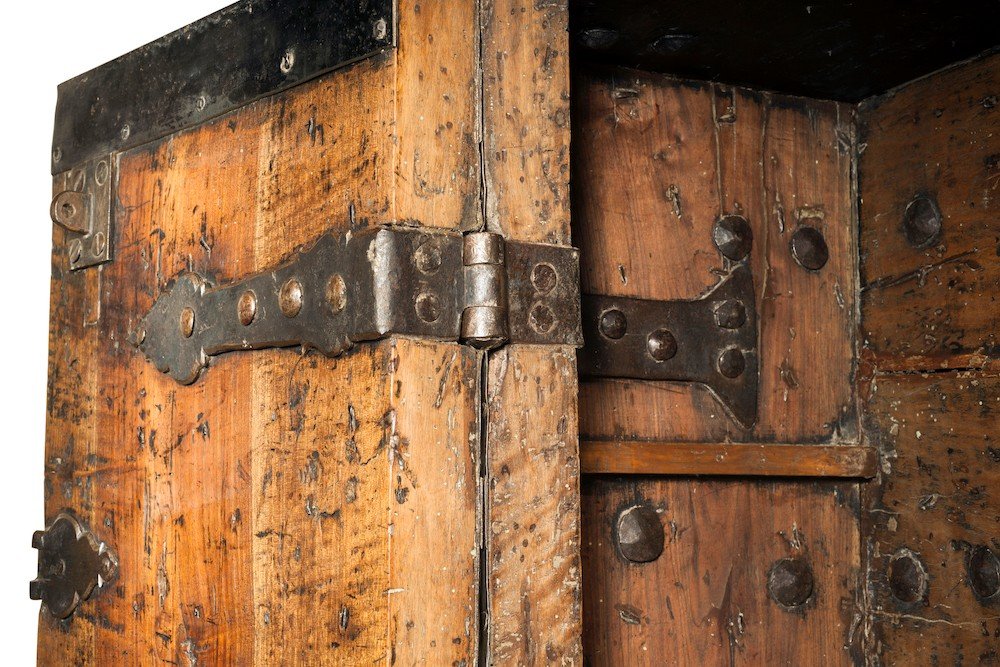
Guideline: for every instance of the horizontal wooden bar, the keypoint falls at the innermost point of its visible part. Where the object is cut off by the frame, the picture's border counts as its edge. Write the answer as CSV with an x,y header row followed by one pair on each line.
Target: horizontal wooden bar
x,y
727,459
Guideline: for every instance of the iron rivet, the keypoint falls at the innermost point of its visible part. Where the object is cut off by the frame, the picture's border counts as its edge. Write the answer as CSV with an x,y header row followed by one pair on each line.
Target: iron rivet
x,y
730,314
380,29
140,335
75,250
922,222
790,582
287,61
541,318
126,132
187,322
428,257
907,577
428,307
598,38
613,324
336,293
101,172
544,278
246,307
66,211
56,154
639,534
290,298
661,345
732,363
984,572
733,237
201,103
100,244
809,248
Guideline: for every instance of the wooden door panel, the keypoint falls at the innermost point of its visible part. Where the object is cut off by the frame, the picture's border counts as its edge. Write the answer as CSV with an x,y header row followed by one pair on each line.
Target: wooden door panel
x,y
656,162
706,599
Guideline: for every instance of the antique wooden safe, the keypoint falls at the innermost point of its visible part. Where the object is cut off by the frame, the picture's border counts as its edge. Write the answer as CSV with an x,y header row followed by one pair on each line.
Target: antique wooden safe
x,y
524,332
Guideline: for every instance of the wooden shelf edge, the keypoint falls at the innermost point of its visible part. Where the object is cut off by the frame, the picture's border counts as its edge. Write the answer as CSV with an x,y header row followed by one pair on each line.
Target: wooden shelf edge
x,y
726,459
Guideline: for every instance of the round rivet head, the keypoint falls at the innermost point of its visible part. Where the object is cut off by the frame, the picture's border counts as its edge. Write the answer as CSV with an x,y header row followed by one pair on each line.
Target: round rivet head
x,y
541,318
544,278
336,293
730,314
907,577
428,307
290,298
733,237
809,248
922,222
661,345
790,582
732,363
639,534
598,39
187,322
613,324
246,307
428,257
984,573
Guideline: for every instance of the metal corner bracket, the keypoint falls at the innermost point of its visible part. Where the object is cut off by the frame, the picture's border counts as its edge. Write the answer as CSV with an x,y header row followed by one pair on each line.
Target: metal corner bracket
x,y
347,288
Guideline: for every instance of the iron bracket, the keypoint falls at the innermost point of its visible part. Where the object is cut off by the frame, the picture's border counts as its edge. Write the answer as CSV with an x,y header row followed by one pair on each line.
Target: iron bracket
x,y
477,288
72,565
82,205
711,340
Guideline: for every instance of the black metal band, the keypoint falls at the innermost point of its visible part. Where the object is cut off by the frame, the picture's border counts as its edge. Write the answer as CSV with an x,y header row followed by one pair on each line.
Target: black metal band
x,y
246,51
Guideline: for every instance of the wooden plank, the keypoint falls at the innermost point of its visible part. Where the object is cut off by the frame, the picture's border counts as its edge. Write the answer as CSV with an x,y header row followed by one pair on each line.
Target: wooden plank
x,y
933,307
705,600
658,161
742,459
940,468
532,526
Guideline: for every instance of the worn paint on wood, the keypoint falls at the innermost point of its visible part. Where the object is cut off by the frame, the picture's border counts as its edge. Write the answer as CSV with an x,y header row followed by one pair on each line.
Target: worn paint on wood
x,y
656,162
705,600
933,307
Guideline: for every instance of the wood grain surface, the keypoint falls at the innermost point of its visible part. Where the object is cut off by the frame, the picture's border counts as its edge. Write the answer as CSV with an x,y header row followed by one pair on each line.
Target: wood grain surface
x,y
656,162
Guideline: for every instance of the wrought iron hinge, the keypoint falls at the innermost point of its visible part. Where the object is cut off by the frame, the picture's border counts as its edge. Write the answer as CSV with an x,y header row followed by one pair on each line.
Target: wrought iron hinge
x,y
82,206
475,288
72,565
711,340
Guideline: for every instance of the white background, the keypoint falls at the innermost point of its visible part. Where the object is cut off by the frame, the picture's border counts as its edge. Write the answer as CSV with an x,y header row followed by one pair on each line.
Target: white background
x,y
43,43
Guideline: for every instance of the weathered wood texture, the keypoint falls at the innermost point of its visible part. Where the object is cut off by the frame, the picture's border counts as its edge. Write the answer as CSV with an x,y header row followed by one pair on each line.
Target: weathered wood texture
x,y
937,497
705,600
656,162
532,455
284,508
935,307
927,310
628,457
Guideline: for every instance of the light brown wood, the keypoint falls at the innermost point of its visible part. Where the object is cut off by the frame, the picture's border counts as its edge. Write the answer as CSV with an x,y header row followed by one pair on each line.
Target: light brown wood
x,y
740,459
933,307
285,507
705,600
532,455
656,161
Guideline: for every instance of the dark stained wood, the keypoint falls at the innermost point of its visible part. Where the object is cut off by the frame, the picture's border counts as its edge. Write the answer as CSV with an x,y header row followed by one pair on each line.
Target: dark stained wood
x,y
656,161
935,307
740,459
936,496
533,580
705,600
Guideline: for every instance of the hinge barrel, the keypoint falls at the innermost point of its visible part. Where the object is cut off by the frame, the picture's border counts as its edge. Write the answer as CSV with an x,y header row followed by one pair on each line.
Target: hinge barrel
x,y
484,318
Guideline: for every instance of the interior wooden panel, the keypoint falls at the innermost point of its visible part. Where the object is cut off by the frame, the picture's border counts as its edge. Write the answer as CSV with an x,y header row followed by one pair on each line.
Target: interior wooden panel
x,y
705,600
937,498
656,162
285,507
533,580
935,307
